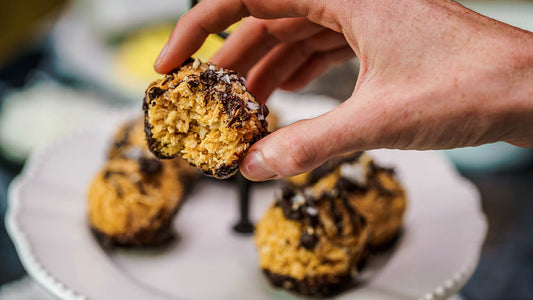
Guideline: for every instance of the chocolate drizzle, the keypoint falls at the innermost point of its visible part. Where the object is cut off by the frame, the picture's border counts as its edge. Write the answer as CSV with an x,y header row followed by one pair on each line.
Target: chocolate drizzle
x,y
123,140
330,165
155,92
337,217
375,168
299,206
238,111
315,286
209,78
193,84
218,84
141,188
373,171
334,202
109,173
308,241
344,186
150,165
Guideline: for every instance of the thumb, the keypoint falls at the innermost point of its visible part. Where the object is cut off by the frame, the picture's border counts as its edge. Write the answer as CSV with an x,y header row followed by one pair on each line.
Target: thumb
x,y
306,144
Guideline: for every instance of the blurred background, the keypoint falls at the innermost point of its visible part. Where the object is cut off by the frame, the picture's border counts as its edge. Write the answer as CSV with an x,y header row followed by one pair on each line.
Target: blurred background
x,y
64,63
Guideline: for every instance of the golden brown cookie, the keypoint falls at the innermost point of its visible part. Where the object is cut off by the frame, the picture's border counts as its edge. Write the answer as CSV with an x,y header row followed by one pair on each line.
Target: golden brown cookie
x,y
310,245
132,201
204,114
372,189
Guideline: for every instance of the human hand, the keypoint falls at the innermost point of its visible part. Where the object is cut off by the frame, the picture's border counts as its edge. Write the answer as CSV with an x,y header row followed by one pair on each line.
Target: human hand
x,y
433,75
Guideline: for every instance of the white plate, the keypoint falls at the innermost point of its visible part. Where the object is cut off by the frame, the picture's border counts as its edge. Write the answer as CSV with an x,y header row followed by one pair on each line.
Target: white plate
x,y
437,253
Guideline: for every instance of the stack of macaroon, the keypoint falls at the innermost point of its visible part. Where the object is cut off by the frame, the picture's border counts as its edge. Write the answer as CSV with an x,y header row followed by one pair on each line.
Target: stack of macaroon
x,y
199,115
311,240
323,223
134,197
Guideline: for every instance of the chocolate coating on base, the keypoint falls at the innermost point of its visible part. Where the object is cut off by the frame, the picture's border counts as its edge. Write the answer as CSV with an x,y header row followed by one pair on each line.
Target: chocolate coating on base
x,y
318,286
224,171
142,238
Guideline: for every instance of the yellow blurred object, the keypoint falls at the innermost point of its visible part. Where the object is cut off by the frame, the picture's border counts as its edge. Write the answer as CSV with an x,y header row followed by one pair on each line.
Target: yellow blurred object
x,y
24,23
209,48
213,43
136,55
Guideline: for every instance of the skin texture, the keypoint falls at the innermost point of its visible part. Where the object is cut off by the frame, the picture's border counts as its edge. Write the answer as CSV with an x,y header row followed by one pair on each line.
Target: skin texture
x,y
434,75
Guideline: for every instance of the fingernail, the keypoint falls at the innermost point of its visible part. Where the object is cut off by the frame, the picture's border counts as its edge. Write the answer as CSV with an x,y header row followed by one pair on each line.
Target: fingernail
x,y
255,168
161,56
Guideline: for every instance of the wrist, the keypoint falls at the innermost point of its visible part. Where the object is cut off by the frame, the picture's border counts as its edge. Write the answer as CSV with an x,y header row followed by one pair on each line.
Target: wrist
x,y
516,112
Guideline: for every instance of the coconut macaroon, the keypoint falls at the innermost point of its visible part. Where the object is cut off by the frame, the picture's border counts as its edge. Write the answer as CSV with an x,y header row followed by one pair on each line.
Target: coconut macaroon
x,y
310,245
204,114
133,198
372,189
131,202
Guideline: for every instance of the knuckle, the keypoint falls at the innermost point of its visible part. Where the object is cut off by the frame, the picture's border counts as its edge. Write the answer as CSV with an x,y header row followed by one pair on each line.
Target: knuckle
x,y
301,153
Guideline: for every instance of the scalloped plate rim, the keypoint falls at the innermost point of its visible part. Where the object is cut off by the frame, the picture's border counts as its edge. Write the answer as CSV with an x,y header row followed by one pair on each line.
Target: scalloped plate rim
x,y
49,282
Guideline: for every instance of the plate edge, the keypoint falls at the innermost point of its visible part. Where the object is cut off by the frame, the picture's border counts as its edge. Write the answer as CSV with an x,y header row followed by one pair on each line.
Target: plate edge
x,y
20,241
452,285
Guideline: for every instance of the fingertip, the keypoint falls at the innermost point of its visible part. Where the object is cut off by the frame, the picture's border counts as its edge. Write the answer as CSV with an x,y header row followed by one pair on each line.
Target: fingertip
x,y
273,157
184,40
160,59
300,147
254,167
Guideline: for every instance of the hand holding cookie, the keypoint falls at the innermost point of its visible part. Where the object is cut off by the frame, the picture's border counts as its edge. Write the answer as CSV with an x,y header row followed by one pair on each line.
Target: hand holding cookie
x,y
204,114
423,84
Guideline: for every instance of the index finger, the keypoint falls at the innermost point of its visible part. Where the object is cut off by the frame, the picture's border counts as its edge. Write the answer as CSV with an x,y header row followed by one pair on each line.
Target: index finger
x,y
212,16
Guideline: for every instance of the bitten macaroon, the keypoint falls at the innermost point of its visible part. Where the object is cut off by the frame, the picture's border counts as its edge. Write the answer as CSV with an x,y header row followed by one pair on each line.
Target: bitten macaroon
x,y
204,114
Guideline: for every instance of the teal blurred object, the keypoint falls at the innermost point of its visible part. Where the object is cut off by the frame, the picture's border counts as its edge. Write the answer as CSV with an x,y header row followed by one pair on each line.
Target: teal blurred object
x,y
516,13
491,157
